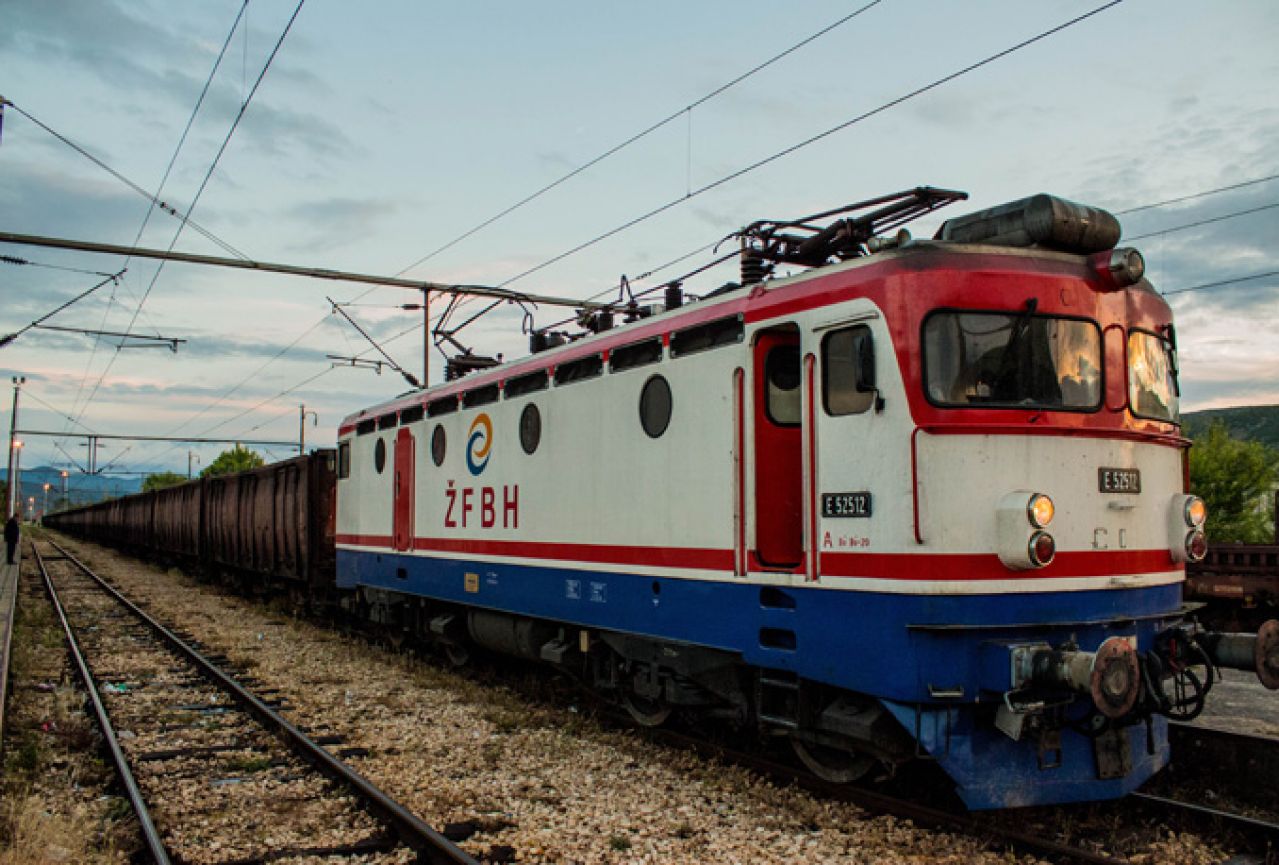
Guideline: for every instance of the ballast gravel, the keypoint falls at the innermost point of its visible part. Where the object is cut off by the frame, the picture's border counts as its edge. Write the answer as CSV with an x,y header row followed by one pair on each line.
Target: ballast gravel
x,y
528,783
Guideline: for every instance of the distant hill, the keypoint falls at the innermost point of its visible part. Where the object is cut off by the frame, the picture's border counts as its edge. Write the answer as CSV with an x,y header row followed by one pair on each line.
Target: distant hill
x,y
1253,422
81,488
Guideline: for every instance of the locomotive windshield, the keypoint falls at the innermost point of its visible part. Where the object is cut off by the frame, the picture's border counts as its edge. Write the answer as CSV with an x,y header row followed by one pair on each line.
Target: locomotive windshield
x,y
1012,360
1152,383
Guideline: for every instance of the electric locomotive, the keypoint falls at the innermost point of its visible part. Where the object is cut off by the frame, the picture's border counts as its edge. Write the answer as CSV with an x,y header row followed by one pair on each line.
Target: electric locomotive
x,y
913,499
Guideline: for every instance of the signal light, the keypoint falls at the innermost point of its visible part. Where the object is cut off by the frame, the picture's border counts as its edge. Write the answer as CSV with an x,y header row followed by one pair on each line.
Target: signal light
x,y
1120,267
1196,546
1041,549
1196,512
1040,510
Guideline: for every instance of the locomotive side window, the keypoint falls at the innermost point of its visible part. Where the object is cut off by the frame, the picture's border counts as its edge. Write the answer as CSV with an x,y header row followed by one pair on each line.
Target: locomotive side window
x,y
379,455
443,405
636,354
438,443
530,428
1012,360
725,331
412,415
845,370
365,427
528,383
387,421
481,396
655,406
579,370
344,460
1152,377
782,395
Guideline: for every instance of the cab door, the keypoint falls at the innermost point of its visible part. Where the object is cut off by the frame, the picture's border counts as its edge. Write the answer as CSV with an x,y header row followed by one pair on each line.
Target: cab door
x,y
402,491
778,458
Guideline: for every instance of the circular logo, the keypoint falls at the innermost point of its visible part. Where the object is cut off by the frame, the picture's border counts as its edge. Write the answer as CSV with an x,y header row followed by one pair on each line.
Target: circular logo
x,y
479,442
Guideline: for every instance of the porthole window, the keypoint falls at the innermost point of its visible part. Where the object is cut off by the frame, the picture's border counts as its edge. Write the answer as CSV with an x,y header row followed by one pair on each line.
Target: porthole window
x,y
530,428
655,406
379,455
437,445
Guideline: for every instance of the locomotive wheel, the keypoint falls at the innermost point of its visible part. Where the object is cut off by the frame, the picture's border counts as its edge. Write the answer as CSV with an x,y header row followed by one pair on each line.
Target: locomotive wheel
x,y
647,713
834,765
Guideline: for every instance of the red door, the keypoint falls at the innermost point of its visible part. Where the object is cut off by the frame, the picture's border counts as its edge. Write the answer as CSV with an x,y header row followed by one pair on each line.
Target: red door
x,y
402,504
779,487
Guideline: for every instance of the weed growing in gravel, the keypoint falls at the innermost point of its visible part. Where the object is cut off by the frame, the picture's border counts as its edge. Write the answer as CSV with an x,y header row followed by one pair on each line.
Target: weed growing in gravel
x,y
33,832
505,718
619,843
21,761
249,764
118,808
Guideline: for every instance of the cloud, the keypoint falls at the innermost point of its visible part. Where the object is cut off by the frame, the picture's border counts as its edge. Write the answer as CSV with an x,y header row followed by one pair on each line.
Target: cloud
x,y
338,221
126,51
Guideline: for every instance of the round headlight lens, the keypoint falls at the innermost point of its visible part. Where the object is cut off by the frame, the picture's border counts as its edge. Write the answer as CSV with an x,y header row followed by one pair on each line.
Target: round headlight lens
x,y
1196,512
1040,510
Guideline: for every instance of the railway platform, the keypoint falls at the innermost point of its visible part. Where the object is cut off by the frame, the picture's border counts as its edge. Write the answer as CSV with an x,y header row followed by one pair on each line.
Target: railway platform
x,y
8,603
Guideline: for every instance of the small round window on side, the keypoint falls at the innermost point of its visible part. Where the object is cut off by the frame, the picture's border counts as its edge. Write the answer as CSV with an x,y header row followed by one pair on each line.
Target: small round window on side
x,y
530,428
655,406
438,444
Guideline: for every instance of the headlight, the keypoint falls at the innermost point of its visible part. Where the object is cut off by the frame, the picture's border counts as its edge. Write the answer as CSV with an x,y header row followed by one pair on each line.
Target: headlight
x,y
1040,510
1196,511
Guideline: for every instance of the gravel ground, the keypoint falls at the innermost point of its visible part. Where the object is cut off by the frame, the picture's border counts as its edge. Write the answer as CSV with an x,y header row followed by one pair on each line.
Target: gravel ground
x,y
57,803
538,784
254,799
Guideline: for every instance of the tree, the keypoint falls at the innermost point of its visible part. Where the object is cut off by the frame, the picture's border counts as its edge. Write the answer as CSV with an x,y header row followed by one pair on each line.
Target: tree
x,y
237,459
160,480
1235,479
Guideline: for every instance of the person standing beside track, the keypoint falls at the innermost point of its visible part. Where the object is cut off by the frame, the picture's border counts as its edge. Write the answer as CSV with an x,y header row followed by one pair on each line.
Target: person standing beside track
x,y
11,534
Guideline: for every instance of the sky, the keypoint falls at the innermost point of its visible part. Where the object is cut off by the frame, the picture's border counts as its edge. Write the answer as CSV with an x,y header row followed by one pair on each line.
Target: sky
x,y
382,132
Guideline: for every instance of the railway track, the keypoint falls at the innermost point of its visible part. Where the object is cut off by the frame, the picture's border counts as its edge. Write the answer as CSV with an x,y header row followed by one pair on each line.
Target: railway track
x,y
1011,832
213,772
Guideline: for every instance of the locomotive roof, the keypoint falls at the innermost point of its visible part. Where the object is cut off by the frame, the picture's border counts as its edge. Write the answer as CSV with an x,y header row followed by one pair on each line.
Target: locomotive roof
x,y
693,313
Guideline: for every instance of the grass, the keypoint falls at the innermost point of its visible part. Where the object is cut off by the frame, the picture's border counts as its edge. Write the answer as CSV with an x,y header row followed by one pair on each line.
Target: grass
x,y
619,843
249,764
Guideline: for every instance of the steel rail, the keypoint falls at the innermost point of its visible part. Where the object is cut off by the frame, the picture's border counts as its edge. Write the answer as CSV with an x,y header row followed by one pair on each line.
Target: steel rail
x,y
1265,833
149,832
431,846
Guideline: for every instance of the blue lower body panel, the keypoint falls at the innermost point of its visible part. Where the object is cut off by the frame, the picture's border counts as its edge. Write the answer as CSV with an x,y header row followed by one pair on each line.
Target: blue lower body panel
x,y
900,648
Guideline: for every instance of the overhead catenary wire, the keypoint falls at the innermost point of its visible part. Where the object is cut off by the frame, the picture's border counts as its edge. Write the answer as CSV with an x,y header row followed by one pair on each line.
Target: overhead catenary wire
x,y
235,124
1193,196
813,139
1219,283
151,197
1202,222
154,199
24,262
670,118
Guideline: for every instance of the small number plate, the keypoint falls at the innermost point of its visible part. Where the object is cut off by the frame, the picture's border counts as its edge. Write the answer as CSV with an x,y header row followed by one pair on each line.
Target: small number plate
x,y
846,504
1119,480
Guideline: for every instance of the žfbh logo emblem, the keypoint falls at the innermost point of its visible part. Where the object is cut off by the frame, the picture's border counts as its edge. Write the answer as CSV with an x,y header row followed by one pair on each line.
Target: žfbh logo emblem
x,y
479,442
